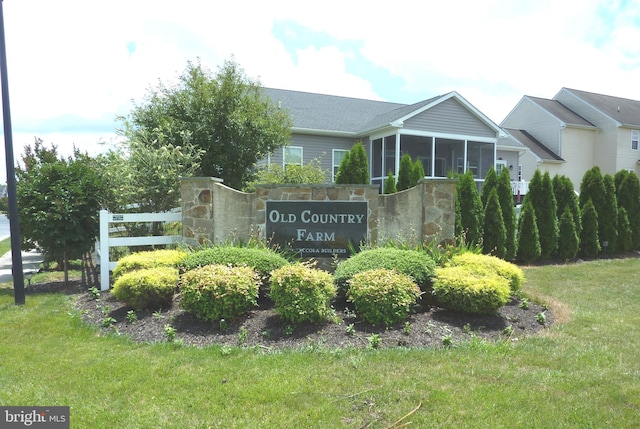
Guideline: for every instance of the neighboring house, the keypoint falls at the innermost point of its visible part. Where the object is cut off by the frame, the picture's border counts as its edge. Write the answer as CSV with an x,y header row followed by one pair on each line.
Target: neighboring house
x,y
446,133
575,131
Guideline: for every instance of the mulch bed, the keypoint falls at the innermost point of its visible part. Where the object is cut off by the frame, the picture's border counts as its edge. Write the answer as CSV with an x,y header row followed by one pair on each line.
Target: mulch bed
x,y
427,326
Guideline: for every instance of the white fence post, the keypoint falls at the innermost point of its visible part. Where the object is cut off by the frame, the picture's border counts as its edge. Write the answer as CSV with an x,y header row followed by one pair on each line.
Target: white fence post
x,y
106,242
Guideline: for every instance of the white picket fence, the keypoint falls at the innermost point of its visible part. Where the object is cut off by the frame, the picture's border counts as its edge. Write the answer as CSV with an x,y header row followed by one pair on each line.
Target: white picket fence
x,y
106,241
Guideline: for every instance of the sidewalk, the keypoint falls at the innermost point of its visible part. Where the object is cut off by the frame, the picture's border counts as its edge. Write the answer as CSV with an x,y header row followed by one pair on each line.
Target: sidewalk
x,y
30,263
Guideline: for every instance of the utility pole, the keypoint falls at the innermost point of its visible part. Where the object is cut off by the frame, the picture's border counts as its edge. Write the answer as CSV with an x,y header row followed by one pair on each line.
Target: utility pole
x,y
14,224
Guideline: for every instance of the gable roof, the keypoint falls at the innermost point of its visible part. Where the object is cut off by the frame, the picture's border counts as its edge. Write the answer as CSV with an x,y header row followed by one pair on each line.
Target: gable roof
x,y
330,114
624,111
560,112
538,149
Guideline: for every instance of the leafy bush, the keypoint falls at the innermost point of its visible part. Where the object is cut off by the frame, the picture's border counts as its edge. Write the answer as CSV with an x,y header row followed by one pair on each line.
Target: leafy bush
x,y
489,265
302,293
470,290
151,259
216,292
382,296
418,265
263,261
149,288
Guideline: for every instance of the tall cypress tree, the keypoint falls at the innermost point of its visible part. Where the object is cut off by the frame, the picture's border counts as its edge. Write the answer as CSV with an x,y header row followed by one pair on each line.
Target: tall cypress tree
x,y
544,203
354,168
495,235
592,188
390,184
490,183
417,173
609,220
625,237
565,196
589,239
628,194
405,173
568,243
505,195
470,209
528,236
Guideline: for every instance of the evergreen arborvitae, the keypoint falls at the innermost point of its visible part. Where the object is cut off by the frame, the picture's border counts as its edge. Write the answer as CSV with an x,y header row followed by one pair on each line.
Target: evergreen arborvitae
x,y
624,232
489,184
343,176
608,222
359,164
417,173
592,188
565,196
471,213
495,235
568,242
354,168
544,203
628,193
390,184
405,173
505,195
589,240
459,231
528,237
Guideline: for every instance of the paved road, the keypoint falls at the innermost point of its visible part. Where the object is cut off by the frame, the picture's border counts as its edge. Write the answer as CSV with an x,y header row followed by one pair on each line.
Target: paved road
x,y
30,260
4,226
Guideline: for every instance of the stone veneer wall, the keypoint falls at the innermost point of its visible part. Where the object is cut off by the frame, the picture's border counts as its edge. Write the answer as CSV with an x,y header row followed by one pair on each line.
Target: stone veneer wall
x,y
214,213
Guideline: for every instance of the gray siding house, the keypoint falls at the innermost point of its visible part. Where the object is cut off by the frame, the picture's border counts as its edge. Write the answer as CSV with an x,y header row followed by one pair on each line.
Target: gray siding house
x,y
446,133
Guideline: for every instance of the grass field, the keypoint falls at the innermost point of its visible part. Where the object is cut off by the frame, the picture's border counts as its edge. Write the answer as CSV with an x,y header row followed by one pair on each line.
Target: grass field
x,y
584,372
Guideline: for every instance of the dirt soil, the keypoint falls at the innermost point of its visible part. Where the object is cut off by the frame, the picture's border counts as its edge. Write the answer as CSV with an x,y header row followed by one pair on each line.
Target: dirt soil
x,y
427,326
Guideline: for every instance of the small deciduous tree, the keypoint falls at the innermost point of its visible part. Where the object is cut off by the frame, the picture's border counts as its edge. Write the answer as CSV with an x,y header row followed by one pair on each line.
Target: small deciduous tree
x,y
58,202
308,173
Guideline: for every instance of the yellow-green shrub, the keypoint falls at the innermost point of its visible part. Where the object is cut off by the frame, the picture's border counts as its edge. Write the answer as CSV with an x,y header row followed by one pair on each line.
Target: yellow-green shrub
x,y
301,293
492,264
149,288
469,290
382,295
216,292
150,259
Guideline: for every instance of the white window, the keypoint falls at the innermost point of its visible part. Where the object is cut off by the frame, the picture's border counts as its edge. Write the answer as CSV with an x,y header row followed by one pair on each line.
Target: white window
x,y
338,156
635,136
292,155
500,164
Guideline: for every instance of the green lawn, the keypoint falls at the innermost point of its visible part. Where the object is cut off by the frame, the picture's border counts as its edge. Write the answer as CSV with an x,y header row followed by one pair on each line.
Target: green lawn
x,y
582,373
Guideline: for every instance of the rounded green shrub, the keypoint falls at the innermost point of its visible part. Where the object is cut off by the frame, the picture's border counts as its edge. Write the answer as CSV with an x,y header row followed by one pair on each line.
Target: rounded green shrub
x,y
382,296
418,265
468,289
489,265
148,288
150,259
263,260
216,292
301,293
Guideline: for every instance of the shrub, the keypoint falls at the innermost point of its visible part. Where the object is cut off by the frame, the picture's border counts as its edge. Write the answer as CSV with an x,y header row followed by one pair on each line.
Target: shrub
x,y
216,292
469,290
263,261
495,234
405,173
382,296
390,184
301,293
568,242
418,265
470,206
589,238
149,288
150,259
489,265
528,235
354,168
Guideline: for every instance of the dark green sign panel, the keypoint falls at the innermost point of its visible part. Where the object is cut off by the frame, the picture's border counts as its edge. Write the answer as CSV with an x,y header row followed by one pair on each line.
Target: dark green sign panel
x,y
317,228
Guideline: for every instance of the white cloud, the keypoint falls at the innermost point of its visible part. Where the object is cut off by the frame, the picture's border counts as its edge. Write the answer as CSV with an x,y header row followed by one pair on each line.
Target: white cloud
x,y
74,58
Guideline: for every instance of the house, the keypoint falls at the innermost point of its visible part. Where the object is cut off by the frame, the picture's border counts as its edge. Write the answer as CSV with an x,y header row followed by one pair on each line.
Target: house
x,y
575,131
446,133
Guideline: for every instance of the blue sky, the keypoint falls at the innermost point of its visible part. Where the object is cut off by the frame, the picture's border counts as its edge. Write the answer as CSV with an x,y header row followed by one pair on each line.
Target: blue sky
x,y
75,65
